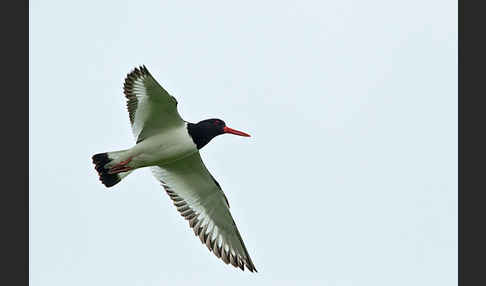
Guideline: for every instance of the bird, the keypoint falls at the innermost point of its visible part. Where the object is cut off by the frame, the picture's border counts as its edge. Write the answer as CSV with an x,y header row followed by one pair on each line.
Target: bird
x,y
169,146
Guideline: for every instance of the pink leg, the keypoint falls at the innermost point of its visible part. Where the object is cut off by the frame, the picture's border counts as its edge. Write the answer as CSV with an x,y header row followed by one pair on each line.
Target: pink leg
x,y
120,167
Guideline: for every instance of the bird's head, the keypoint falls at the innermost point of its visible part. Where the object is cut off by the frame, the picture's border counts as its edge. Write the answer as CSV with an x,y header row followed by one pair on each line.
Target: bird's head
x,y
217,127
203,131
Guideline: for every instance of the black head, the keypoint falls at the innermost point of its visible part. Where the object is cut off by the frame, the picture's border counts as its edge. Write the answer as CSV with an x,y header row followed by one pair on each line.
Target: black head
x,y
203,131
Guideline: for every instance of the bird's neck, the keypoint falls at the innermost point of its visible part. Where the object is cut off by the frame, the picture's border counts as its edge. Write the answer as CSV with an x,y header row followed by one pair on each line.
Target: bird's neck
x,y
200,135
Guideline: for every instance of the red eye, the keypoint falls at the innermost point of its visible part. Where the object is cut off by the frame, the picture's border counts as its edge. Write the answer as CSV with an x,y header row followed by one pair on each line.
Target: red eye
x,y
216,122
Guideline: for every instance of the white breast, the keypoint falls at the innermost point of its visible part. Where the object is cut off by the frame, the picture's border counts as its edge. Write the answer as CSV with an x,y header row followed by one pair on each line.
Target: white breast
x,y
171,145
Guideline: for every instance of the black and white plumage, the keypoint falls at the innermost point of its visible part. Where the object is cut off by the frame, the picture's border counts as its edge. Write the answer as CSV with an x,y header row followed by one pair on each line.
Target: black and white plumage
x,y
170,147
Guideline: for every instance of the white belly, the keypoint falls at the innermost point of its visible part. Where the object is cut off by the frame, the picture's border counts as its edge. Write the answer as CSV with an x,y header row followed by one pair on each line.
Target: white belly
x,y
164,148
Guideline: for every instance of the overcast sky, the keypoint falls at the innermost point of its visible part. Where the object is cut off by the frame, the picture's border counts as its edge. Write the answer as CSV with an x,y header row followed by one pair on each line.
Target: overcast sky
x,y
349,178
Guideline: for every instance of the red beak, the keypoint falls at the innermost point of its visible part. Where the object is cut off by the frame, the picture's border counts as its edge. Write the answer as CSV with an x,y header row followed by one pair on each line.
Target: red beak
x,y
226,129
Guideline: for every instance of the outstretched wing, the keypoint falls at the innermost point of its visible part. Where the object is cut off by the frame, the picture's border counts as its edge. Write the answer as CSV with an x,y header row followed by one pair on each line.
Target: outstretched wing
x,y
200,200
151,108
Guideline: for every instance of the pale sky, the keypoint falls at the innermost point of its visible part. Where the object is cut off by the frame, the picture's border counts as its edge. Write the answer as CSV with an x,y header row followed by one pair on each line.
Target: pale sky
x,y
349,178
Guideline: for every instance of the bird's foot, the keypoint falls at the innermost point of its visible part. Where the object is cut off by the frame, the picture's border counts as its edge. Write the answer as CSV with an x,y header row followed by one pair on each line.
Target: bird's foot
x,y
120,167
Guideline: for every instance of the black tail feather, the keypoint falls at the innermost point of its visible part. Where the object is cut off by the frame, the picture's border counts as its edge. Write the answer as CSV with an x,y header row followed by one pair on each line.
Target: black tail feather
x,y
100,160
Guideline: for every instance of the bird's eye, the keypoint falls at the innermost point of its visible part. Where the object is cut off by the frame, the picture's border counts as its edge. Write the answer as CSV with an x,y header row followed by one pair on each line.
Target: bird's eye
x,y
216,122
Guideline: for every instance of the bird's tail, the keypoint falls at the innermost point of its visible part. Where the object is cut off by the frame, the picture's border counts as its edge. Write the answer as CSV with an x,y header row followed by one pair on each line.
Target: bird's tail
x,y
110,167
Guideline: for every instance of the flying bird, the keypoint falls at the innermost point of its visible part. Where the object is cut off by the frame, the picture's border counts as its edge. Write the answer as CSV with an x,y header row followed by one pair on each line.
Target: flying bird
x,y
170,146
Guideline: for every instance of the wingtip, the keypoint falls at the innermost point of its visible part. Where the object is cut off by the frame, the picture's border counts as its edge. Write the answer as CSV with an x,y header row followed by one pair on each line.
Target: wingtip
x,y
250,266
143,69
135,73
253,269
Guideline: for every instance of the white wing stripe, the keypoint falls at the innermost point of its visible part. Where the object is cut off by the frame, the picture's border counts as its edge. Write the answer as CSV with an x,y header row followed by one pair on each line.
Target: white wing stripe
x,y
207,231
151,108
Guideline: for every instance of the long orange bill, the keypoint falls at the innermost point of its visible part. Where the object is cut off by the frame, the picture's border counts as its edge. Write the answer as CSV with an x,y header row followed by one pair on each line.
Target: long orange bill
x,y
236,132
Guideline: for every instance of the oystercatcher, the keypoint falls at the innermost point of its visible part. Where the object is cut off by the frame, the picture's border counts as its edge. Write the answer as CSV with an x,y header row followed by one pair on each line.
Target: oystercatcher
x,y
170,147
